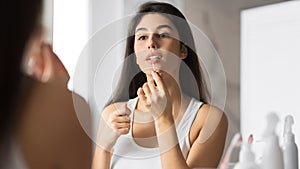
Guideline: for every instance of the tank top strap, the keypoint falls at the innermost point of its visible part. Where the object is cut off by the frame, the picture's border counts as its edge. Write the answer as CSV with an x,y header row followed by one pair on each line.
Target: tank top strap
x,y
131,105
188,118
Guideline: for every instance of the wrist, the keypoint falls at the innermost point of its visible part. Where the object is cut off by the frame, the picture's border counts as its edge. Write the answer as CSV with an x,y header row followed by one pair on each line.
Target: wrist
x,y
106,145
163,122
166,137
105,152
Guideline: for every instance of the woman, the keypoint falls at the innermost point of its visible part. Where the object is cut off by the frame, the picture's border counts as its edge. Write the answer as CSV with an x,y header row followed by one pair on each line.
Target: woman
x,y
167,122
39,126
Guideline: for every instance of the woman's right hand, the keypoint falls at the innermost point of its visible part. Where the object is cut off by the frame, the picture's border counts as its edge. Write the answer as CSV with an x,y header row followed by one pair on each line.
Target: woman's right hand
x,y
115,121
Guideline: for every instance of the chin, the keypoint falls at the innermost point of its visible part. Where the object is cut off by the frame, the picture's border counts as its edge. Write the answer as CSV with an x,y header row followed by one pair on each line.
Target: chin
x,y
148,69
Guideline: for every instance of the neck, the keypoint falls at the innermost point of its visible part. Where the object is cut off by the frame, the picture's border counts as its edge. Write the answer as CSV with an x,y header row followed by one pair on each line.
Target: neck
x,y
173,87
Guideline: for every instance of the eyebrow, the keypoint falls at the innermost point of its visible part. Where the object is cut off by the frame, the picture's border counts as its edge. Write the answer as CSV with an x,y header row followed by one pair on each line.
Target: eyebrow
x,y
159,27
164,26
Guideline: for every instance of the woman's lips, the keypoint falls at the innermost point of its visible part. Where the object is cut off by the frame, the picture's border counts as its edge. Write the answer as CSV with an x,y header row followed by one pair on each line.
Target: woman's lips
x,y
153,59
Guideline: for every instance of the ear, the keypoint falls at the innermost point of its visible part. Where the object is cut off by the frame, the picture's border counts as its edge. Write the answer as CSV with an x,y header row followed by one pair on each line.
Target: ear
x,y
41,63
183,51
45,65
34,63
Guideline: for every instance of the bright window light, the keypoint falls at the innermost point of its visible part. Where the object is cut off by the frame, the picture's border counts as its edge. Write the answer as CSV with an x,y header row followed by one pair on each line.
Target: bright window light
x,y
70,31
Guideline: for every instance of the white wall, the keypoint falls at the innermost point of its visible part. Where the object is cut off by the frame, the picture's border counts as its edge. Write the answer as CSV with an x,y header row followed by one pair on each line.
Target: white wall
x,y
270,68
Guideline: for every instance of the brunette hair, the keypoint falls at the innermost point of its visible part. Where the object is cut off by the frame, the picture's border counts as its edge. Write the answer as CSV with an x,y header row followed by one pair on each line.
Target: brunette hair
x,y
19,20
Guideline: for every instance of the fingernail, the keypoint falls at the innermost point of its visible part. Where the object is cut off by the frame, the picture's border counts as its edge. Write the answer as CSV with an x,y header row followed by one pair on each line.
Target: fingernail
x,y
152,72
250,138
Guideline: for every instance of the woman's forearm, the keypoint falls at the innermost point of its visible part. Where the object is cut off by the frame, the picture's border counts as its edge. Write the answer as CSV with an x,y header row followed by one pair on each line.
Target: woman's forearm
x,y
171,155
101,159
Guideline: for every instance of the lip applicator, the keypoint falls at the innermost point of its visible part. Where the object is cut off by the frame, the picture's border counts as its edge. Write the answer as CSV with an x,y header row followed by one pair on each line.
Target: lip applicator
x,y
153,67
153,60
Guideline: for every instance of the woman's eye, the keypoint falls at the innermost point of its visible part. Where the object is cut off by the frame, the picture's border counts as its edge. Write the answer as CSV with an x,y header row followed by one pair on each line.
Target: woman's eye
x,y
142,37
163,35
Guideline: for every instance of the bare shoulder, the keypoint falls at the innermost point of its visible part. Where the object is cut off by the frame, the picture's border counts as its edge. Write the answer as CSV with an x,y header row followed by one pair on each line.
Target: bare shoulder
x,y
51,131
73,132
215,122
208,119
207,137
212,114
210,109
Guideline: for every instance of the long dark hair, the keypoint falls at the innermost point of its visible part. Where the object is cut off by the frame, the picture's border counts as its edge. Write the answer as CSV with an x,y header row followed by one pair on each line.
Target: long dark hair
x,y
132,77
19,20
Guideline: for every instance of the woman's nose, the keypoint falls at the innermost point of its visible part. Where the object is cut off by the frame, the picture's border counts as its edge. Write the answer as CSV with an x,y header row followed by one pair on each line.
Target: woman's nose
x,y
152,44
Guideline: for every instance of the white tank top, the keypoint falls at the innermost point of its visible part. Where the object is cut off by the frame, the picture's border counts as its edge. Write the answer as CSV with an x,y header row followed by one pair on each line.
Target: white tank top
x,y
128,154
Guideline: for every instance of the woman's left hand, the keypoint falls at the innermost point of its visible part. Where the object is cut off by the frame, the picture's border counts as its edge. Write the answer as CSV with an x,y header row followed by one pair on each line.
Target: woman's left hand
x,y
157,98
